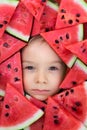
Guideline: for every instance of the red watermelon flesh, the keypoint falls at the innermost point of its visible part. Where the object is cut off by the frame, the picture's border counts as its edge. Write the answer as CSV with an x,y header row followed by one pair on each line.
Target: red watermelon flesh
x,y
62,36
17,112
57,118
36,7
9,45
71,12
75,101
11,71
79,49
21,23
76,75
7,9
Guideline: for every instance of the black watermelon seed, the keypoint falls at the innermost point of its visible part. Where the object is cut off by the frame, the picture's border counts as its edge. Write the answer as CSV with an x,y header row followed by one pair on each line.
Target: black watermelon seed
x,y
6,45
78,15
54,107
70,21
56,41
74,82
47,29
1,98
61,38
83,50
62,17
6,114
67,36
1,25
74,108
63,11
16,79
67,93
43,108
5,22
7,106
77,20
56,121
55,116
9,66
16,69
71,90
78,103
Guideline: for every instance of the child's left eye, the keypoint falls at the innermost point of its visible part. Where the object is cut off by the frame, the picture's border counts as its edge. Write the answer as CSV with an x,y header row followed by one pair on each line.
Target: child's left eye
x,y
53,68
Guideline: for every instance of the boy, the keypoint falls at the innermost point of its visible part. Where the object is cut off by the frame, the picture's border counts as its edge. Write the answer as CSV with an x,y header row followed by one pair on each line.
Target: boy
x,y
43,70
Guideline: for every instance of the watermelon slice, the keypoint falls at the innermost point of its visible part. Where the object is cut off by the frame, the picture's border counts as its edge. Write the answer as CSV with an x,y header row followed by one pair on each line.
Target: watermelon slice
x,y
80,50
57,118
36,7
75,101
9,45
17,111
7,8
59,37
10,71
1,103
21,23
76,75
71,12
47,21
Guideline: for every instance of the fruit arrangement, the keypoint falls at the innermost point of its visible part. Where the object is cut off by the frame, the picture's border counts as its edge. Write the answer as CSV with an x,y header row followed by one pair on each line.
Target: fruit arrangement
x,y
63,24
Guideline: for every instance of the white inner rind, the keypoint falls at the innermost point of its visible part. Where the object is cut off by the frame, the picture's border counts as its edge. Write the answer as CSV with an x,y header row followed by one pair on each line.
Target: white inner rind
x,y
9,2
17,33
24,124
81,65
82,4
80,32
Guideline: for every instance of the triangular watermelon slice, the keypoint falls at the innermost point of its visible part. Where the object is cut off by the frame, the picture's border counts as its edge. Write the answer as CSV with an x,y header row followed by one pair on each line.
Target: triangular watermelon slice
x,y
57,118
36,7
17,111
76,75
79,49
60,37
7,8
20,24
9,45
11,71
71,12
75,101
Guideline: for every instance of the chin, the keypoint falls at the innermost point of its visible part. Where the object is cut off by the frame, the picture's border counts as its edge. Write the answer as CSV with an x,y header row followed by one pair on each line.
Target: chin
x,y
39,97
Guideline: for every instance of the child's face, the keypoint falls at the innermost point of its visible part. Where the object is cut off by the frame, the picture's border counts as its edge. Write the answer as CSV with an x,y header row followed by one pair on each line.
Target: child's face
x,y
43,70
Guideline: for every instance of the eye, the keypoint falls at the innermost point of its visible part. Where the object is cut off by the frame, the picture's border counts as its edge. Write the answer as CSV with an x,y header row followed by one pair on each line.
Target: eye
x,y
53,68
29,67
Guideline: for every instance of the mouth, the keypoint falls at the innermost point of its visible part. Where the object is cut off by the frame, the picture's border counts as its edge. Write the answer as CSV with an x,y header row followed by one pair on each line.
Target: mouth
x,y
40,92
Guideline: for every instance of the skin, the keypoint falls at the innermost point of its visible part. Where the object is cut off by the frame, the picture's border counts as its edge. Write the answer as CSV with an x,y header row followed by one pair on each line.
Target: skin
x,y
43,70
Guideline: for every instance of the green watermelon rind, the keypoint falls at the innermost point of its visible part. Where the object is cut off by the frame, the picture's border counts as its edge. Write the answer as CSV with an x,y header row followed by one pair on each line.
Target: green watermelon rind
x,y
9,2
81,65
52,5
17,33
26,123
82,4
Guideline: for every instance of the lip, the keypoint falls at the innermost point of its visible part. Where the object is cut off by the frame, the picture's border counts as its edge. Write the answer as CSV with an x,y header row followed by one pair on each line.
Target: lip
x,y
40,92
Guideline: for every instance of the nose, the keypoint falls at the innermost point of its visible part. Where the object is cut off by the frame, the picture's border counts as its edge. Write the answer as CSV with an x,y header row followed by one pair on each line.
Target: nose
x,y
41,77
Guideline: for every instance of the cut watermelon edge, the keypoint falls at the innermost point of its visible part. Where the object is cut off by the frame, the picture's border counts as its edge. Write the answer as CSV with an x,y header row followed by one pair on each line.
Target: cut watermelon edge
x,y
26,123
